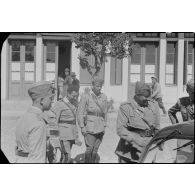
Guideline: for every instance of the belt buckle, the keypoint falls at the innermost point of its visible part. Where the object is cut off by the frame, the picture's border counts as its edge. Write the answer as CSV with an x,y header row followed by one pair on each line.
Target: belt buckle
x,y
148,133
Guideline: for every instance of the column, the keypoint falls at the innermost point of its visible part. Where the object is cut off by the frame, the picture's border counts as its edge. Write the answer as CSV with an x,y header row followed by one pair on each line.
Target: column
x,y
180,67
125,79
4,69
163,45
107,76
75,61
39,57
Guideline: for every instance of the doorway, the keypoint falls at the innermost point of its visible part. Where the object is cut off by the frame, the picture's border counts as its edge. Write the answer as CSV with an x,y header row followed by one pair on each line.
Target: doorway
x,y
143,65
64,57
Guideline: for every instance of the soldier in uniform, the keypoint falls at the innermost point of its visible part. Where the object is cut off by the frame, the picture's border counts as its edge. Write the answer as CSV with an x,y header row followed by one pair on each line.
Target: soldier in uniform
x,y
185,105
65,110
92,116
31,130
138,120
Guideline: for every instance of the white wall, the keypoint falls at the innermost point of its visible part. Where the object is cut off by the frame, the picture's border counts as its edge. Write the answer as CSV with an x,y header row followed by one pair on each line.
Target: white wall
x,y
4,79
39,57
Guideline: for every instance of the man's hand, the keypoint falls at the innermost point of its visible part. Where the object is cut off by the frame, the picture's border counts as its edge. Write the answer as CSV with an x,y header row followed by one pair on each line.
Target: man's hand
x,y
83,131
141,141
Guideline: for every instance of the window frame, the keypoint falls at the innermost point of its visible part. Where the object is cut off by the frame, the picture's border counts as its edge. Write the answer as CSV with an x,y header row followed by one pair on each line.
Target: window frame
x,y
175,64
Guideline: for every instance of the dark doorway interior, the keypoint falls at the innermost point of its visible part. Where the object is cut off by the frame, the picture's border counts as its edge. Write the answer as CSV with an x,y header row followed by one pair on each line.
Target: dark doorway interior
x,y
64,57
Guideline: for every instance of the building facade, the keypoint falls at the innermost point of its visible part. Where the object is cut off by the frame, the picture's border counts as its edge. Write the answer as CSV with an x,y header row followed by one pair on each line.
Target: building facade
x,y
30,57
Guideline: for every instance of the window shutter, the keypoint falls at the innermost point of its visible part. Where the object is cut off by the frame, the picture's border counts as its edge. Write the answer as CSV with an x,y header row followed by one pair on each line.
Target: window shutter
x,y
118,71
112,71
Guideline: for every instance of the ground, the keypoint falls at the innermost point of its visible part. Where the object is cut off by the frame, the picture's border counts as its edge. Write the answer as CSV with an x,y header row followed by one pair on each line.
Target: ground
x,y
11,111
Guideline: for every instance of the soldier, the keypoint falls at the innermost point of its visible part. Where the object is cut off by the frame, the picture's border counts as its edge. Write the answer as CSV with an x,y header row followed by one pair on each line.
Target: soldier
x,y
185,105
138,120
65,110
92,116
67,81
31,129
157,94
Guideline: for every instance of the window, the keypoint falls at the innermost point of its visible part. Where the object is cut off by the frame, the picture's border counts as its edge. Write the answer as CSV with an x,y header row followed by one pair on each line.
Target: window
x,y
50,67
85,77
135,69
29,51
188,61
171,62
15,50
150,61
116,71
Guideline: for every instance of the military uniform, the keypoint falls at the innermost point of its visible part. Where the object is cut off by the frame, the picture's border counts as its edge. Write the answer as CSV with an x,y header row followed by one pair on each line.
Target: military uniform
x,y
94,118
183,105
31,130
68,132
135,126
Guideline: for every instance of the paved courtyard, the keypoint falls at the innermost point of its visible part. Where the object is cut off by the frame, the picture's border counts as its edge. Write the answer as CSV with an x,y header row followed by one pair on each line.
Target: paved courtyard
x,y
11,111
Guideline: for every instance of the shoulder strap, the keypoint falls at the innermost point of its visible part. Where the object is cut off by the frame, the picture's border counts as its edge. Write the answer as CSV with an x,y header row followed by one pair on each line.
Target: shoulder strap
x,y
70,109
95,100
142,117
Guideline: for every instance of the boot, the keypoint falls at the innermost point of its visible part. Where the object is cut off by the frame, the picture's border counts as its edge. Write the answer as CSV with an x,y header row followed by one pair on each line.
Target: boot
x,y
93,158
87,158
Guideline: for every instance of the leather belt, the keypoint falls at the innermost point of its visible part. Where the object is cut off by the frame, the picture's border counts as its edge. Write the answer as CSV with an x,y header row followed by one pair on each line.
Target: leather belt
x,y
145,133
68,122
22,154
95,114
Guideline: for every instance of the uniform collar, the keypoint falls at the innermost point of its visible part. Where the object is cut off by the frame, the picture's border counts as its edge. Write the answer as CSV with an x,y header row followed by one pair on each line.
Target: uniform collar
x,y
136,105
92,93
65,99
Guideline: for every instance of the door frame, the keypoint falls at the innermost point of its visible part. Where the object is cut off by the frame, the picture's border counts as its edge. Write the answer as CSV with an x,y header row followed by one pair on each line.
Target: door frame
x,y
142,43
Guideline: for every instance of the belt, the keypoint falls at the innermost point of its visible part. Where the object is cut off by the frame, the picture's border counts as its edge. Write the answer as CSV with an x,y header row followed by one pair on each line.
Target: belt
x,y
22,154
54,132
68,122
95,114
145,133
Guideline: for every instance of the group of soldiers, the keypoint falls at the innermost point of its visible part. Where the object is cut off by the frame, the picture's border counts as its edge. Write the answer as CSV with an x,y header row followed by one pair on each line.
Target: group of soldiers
x,y
138,121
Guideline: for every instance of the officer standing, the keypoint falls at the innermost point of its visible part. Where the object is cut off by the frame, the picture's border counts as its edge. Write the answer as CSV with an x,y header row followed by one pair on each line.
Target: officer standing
x,y
31,129
92,116
185,105
157,94
65,110
138,120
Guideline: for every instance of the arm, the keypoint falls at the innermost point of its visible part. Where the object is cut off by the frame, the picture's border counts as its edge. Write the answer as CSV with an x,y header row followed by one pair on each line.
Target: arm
x,y
122,120
106,112
81,110
157,117
37,144
173,111
57,110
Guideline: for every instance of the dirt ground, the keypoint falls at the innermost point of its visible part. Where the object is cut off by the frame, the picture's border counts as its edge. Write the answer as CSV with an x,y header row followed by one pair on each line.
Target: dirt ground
x,y
106,150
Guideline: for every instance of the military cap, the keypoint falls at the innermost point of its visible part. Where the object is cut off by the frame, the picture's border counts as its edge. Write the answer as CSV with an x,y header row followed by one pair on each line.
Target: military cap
x,y
142,88
97,80
190,85
41,89
73,74
154,77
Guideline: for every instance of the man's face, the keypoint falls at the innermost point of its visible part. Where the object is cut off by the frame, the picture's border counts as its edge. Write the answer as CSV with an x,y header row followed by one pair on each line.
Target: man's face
x,y
66,72
191,94
47,102
73,97
143,99
97,88
153,81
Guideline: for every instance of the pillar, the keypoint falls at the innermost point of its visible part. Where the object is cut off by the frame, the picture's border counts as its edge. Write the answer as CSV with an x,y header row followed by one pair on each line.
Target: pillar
x,y
75,61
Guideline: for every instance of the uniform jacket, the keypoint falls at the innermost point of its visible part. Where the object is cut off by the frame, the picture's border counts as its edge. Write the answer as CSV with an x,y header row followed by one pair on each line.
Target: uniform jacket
x,y
31,136
64,113
156,91
183,105
94,124
130,122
